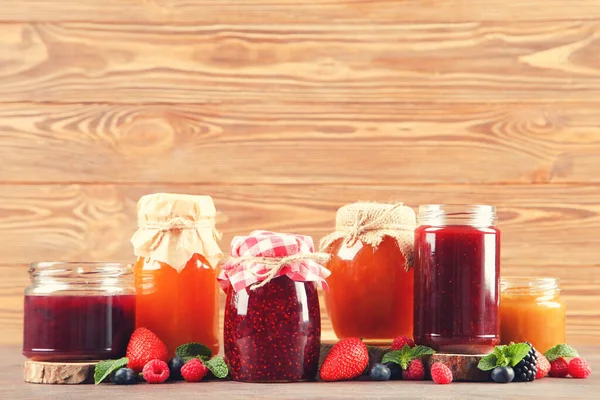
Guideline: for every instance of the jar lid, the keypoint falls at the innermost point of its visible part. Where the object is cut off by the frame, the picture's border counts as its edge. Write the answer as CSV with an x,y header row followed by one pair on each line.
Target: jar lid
x,y
371,222
262,256
174,227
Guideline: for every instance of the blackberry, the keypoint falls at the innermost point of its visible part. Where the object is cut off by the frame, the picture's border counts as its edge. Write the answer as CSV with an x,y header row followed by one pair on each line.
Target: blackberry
x,y
526,369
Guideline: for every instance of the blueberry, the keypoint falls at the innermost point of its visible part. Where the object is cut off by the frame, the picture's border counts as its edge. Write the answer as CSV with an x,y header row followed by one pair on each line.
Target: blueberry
x,y
175,365
379,372
503,374
124,376
395,369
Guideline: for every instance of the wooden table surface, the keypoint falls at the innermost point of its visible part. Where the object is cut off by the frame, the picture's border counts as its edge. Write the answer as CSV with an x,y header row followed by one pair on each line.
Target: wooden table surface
x,y
13,387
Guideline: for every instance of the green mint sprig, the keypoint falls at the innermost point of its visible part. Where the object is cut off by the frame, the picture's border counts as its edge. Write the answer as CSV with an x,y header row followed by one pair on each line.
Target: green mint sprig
x,y
406,355
218,367
216,364
504,356
193,350
560,350
104,368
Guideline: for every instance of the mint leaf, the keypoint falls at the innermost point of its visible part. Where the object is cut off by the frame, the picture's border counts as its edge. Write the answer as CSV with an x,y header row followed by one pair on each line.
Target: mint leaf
x,y
392,356
488,362
190,358
218,367
420,351
401,357
516,352
560,350
104,368
193,349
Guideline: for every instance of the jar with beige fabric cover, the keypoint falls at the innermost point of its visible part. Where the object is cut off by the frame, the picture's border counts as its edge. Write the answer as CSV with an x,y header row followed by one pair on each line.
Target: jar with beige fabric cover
x,y
371,284
175,274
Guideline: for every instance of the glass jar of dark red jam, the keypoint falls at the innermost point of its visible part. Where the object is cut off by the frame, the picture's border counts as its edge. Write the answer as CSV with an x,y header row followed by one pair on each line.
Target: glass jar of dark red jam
x,y
78,311
457,285
273,333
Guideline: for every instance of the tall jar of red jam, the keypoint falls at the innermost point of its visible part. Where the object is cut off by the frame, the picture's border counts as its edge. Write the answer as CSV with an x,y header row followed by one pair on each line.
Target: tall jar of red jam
x,y
272,327
457,285
78,311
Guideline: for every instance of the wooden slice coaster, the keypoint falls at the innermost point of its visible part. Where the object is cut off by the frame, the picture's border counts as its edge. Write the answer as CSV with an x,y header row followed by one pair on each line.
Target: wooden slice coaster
x,y
463,366
67,373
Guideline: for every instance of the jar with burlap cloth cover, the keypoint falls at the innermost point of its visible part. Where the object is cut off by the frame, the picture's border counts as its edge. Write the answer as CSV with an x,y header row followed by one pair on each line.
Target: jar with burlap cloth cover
x,y
175,274
272,327
371,283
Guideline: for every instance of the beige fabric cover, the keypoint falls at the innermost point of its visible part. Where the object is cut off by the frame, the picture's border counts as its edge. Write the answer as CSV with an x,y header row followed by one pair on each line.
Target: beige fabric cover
x,y
174,227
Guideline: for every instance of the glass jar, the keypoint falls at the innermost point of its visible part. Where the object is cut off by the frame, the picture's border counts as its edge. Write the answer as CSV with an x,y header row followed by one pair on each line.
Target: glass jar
x,y
531,310
78,311
273,333
175,273
457,278
371,284
272,327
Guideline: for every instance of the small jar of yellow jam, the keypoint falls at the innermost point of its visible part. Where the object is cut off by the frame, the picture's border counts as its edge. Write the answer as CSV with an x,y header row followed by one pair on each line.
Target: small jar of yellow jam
x,y
531,310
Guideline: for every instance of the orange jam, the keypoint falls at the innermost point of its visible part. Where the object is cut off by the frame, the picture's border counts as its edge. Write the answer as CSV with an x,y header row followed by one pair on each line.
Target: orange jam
x,y
180,307
531,310
370,292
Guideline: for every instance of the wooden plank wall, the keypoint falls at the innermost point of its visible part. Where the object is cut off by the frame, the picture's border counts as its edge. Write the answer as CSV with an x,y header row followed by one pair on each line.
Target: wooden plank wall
x,y
283,110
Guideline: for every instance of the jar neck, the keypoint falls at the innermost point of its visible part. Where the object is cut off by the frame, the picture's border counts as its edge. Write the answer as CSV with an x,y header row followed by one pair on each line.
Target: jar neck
x,y
475,215
84,275
530,287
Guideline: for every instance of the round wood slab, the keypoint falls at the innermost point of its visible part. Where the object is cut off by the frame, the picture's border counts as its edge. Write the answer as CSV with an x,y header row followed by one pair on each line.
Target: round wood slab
x,y
70,373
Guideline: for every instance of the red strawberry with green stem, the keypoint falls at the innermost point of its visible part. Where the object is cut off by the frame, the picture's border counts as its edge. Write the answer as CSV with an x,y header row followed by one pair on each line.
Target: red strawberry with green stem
x,y
143,347
347,360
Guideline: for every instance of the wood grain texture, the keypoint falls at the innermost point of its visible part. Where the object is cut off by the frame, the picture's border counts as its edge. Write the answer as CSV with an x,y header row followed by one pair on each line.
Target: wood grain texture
x,y
461,62
12,387
294,12
301,143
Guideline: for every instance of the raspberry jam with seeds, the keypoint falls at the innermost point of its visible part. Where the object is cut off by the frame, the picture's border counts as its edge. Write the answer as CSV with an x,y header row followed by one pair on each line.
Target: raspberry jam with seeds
x,y
273,333
457,287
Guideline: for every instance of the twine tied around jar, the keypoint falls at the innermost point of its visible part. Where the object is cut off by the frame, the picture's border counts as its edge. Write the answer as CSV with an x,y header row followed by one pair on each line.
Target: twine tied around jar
x,y
371,222
274,264
179,223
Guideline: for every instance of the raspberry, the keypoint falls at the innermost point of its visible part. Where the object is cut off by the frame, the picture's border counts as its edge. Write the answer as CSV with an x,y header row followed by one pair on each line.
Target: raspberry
x,y
415,371
579,368
194,370
156,371
543,365
559,368
401,341
440,373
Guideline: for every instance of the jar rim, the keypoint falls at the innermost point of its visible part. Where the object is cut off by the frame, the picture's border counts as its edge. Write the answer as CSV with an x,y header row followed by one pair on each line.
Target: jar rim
x,y
80,268
525,284
457,214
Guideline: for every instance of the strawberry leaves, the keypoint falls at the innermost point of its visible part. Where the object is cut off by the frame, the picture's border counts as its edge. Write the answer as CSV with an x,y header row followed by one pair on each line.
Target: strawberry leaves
x,y
406,355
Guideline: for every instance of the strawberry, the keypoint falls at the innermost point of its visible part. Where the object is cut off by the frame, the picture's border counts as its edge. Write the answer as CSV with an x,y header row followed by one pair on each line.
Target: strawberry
x,y
143,347
400,341
559,368
543,365
347,360
415,371
579,368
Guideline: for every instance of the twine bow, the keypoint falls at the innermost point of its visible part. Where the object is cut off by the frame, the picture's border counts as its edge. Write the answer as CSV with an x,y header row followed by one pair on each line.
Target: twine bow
x,y
274,264
178,223
360,227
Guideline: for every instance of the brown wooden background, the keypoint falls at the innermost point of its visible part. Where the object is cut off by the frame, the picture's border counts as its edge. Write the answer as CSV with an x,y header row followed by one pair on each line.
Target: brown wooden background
x,y
283,110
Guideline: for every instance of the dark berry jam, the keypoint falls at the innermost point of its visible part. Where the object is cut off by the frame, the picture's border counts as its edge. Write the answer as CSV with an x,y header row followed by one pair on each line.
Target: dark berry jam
x,y
457,290
77,327
273,333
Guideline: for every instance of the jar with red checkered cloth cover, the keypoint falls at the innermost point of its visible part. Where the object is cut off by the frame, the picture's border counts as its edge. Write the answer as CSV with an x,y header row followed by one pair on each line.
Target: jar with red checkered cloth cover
x,y
272,328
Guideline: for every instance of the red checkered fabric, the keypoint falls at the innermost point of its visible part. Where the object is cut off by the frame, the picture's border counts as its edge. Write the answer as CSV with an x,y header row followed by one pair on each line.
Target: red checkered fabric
x,y
241,274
